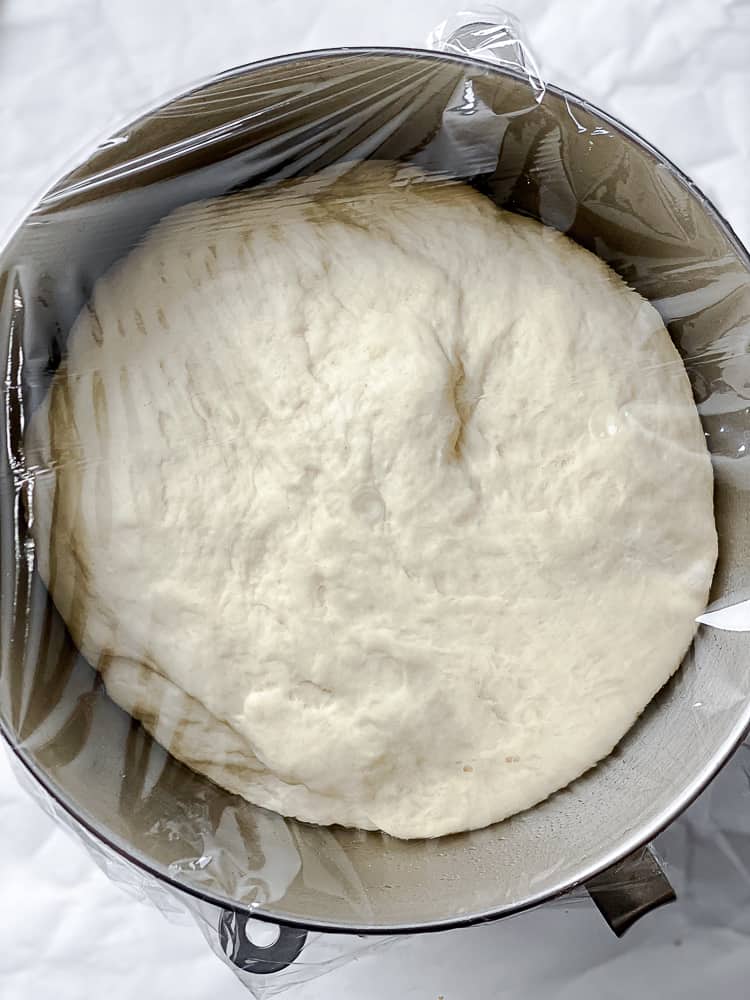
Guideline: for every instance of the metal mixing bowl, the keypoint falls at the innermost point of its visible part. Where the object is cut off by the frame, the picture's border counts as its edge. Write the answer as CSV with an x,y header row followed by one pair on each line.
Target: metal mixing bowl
x,y
562,161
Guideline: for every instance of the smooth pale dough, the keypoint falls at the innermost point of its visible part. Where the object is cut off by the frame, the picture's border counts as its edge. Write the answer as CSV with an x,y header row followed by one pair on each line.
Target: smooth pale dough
x,y
378,505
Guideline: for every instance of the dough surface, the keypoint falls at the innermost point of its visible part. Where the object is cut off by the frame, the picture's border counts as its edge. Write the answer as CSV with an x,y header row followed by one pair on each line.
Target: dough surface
x,y
376,504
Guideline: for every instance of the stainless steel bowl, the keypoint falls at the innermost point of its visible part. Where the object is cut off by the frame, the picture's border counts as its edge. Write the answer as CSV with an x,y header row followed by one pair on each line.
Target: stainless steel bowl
x,y
562,161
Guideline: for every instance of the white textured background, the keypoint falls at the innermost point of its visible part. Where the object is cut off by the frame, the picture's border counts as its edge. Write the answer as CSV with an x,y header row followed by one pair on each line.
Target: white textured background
x,y
676,70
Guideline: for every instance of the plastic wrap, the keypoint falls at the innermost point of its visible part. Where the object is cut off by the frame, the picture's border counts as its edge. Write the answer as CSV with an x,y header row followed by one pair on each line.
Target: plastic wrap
x,y
174,837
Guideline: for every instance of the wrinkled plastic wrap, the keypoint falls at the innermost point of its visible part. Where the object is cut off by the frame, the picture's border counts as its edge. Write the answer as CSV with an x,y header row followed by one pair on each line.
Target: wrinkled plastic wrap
x,y
170,835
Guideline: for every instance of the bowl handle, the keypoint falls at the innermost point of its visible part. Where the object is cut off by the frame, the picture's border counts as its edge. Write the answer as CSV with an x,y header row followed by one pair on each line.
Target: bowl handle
x,y
630,889
260,959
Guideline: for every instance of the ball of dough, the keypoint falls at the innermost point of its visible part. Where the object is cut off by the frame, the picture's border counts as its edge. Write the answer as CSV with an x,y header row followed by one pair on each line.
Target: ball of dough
x,y
378,505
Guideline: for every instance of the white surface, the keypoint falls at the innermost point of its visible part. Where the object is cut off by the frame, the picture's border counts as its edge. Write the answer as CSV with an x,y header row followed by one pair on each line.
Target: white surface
x,y
676,70
735,618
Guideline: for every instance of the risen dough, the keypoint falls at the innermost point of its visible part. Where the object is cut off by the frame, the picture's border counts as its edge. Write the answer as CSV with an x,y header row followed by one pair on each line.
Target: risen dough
x,y
376,504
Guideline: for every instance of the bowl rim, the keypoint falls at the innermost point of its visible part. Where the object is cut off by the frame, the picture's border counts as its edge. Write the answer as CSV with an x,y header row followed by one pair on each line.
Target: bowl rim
x,y
606,858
